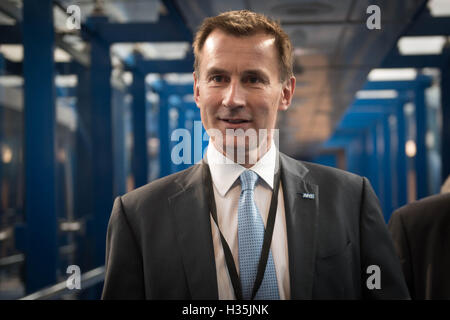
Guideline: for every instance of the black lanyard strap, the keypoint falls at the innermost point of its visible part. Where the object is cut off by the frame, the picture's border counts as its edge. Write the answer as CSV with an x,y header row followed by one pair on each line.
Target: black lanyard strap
x,y
268,232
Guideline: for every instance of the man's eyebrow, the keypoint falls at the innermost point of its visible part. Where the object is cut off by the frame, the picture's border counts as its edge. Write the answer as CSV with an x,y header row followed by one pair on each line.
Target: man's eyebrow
x,y
216,71
256,72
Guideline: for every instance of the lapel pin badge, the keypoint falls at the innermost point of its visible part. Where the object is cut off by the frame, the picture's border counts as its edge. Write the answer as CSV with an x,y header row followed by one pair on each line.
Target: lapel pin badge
x,y
308,195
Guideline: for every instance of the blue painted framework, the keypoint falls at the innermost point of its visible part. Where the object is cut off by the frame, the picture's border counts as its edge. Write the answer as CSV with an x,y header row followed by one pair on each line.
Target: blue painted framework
x,y
166,91
373,133
140,155
39,97
101,131
445,102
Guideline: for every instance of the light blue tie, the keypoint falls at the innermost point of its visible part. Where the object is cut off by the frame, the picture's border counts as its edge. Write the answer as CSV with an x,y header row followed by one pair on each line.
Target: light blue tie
x,y
250,237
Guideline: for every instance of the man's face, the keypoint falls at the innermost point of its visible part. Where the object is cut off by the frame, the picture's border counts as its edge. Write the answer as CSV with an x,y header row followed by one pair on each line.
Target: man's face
x,y
238,85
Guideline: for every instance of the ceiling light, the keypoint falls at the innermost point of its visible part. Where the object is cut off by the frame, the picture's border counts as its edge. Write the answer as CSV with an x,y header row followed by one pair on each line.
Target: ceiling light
x,y
408,109
421,45
410,148
61,55
376,94
304,51
66,80
11,81
12,52
392,74
127,77
439,8
6,154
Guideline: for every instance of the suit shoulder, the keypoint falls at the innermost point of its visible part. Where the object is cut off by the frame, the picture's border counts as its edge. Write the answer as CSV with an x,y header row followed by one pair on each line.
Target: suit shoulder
x,y
320,174
159,189
434,207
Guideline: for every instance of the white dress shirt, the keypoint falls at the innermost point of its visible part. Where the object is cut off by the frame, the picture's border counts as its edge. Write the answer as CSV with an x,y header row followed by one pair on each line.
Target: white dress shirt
x,y
227,188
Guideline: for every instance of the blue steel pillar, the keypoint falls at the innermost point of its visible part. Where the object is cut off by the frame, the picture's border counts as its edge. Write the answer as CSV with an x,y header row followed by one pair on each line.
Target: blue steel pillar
x,y
163,129
374,168
445,103
139,158
120,104
401,165
176,103
101,128
2,71
387,168
83,163
421,162
39,115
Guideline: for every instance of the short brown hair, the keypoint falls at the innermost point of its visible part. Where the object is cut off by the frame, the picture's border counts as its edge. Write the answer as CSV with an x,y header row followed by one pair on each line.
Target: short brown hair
x,y
243,23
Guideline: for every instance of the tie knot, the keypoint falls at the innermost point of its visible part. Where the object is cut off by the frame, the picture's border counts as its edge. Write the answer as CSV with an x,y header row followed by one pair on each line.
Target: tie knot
x,y
248,180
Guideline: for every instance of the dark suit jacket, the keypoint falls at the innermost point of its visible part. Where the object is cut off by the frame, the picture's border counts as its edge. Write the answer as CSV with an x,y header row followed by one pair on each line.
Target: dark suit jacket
x,y
421,233
159,242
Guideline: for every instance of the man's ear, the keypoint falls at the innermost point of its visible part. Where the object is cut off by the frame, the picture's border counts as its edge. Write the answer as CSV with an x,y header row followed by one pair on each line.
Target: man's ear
x,y
287,92
196,89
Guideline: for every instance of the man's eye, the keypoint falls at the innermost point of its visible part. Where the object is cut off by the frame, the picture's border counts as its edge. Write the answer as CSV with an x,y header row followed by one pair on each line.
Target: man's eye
x,y
253,79
217,78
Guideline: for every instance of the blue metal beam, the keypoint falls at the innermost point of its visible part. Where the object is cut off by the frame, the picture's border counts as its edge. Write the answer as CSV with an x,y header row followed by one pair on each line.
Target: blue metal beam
x,y
166,66
396,60
374,173
139,160
13,68
165,30
359,120
445,102
163,129
401,163
392,85
421,162
62,68
387,168
101,128
40,124
175,14
181,90
165,91
120,105
83,179
11,34
383,103
427,25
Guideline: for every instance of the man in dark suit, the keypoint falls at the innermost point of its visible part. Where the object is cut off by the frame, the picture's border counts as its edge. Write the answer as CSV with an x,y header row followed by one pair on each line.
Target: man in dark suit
x,y
230,227
422,239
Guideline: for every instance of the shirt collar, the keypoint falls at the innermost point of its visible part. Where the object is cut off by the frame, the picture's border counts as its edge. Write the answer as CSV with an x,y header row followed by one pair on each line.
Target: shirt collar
x,y
224,171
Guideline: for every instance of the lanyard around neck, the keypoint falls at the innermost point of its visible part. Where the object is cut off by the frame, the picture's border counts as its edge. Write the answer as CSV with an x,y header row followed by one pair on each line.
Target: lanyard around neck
x,y
268,232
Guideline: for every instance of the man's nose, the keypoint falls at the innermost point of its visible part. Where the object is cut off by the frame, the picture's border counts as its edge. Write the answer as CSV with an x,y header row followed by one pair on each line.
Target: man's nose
x,y
234,95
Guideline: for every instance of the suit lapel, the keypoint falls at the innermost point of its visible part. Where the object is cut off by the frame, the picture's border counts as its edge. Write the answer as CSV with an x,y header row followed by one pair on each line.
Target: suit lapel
x,y
192,224
301,223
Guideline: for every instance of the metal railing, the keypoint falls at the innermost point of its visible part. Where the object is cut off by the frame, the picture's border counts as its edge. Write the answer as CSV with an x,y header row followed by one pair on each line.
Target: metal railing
x,y
54,292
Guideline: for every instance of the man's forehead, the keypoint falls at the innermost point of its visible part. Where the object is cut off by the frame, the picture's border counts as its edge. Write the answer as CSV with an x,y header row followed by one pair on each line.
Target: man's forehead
x,y
259,41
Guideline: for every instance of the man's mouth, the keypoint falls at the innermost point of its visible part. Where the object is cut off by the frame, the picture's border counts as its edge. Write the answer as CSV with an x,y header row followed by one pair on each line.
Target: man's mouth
x,y
235,121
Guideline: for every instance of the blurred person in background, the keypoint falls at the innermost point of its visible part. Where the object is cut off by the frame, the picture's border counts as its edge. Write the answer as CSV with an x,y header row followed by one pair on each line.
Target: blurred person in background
x,y
421,234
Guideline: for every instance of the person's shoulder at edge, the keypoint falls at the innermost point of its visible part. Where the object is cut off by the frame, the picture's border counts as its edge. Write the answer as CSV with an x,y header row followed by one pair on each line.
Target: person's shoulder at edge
x,y
428,204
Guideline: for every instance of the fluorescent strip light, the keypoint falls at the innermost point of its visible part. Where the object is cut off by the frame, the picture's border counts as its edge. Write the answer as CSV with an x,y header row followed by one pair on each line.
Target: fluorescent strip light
x,y
66,80
439,8
421,45
61,55
12,52
376,94
11,81
392,74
